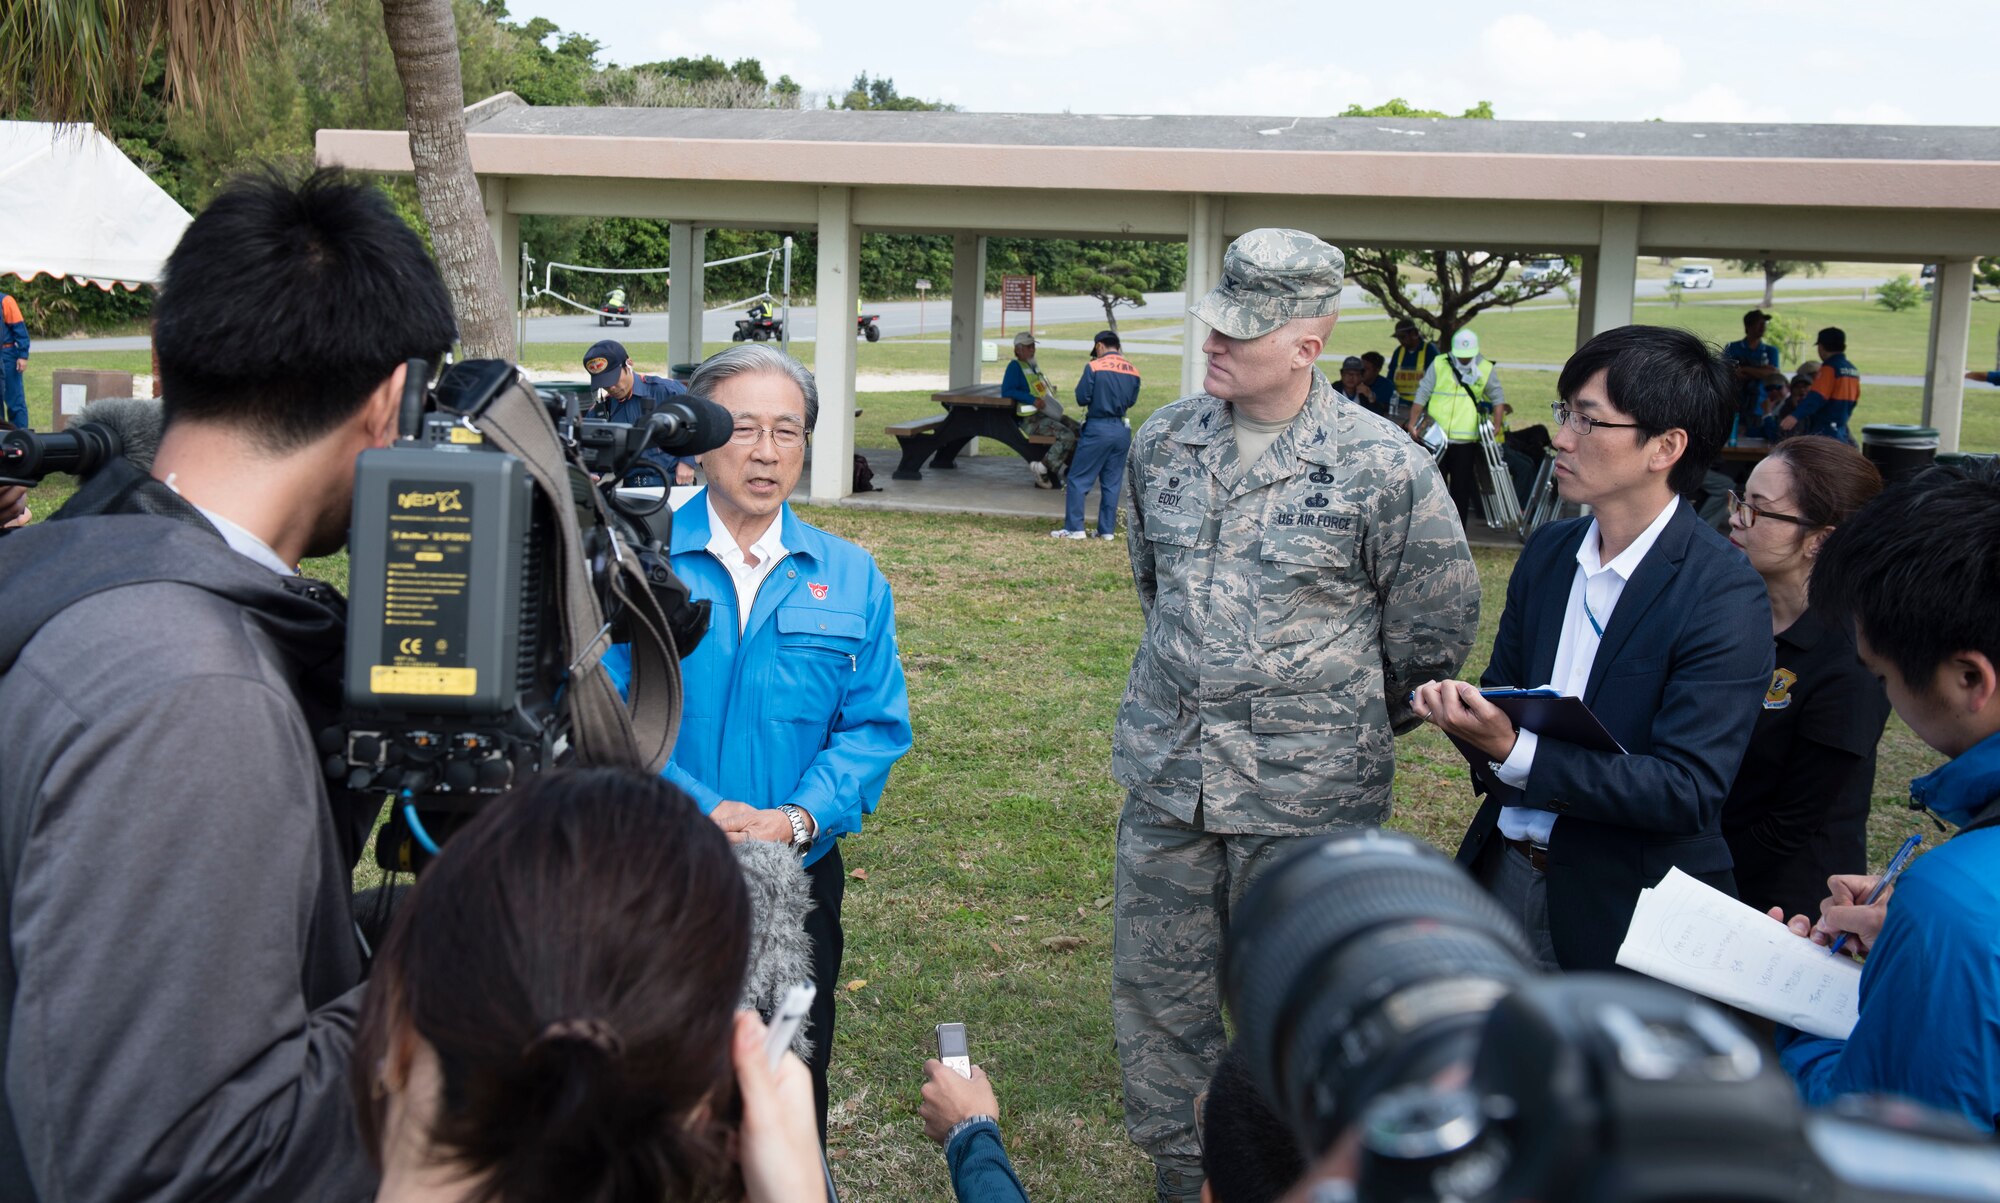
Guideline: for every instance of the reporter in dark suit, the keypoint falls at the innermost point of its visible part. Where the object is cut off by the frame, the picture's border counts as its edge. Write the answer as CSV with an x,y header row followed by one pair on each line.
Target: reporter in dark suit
x,y
1649,616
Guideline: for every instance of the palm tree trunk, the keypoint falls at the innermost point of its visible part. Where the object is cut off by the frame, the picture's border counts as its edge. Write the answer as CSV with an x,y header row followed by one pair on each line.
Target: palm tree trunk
x,y
424,39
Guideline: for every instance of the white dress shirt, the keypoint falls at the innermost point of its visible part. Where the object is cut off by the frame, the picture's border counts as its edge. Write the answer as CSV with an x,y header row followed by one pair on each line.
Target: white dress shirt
x,y
768,549
240,541
1594,593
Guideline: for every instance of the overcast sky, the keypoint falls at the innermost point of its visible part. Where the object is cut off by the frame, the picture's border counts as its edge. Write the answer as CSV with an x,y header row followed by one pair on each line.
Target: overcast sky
x,y
1690,60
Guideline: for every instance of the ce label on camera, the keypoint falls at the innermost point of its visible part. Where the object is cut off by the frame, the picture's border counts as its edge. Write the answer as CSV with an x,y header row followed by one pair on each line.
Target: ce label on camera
x,y
413,646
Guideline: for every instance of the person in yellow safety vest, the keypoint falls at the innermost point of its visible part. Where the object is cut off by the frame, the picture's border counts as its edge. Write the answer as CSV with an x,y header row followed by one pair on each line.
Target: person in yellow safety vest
x,y
1407,364
1454,392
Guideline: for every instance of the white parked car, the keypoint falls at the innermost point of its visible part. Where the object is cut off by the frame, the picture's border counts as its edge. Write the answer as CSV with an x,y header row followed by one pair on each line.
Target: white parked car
x,y
1536,270
1694,275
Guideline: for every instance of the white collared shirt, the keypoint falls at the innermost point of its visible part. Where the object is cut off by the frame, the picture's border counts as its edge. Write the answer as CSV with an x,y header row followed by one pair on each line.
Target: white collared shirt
x,y
1594,593
769,549
240,541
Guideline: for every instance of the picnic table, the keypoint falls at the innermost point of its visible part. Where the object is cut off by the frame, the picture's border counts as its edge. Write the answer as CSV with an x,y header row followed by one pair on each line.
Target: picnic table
x,y
1745,451
971,411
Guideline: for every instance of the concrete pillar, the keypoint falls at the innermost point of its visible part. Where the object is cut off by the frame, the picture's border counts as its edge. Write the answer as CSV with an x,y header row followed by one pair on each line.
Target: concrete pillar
x,y
687,246
506,230
1616,272
1204,271
833,365
1586,298
1951,326
968,307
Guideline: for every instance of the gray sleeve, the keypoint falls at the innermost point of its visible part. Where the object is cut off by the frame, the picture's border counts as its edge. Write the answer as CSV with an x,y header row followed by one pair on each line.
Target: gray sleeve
x,y
1495,395
161,1046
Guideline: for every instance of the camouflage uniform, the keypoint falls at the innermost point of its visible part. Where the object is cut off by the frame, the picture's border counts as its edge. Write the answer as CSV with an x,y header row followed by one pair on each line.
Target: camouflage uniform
x,y
1290,610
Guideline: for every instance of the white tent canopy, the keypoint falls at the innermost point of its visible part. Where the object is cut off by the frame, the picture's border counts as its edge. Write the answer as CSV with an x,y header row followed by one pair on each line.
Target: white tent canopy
x,y
77,207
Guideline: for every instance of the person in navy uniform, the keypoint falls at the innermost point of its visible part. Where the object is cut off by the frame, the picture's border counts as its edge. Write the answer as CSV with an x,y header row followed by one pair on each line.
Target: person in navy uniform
x,y
14,361
632,396
1798,812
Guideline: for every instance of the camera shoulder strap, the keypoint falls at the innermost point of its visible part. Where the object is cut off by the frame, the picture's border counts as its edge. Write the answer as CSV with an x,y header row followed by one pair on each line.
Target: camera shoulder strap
x,y
603,729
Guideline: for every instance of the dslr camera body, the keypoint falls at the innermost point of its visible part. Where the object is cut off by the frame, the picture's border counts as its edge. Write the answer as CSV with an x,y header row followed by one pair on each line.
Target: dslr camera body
x,y
1387,1005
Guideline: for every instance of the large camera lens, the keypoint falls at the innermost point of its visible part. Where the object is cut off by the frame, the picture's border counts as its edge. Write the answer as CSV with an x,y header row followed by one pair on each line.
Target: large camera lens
x,y
1358,964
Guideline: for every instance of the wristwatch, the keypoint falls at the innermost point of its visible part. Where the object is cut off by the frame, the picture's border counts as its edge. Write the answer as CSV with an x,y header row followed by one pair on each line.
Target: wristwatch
x,y
802,840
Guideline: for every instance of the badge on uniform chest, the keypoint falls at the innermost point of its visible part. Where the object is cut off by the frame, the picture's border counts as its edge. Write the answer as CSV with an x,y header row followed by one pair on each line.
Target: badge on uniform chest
x,y
1314,512
1779,695
1169,497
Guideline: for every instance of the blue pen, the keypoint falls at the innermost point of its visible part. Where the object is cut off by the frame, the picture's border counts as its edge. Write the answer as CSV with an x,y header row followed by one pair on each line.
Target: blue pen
x,y
1897,864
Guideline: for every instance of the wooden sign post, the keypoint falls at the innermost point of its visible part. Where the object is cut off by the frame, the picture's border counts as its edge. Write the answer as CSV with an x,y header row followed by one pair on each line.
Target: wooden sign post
x,y
1017,293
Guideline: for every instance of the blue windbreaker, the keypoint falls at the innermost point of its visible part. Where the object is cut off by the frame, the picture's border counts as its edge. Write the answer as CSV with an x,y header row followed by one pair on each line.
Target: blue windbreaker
x,y
808,705
1929,1025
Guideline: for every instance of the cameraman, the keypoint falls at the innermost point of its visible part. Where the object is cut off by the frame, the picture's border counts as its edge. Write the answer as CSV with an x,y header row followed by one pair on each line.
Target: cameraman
x,y
179,1003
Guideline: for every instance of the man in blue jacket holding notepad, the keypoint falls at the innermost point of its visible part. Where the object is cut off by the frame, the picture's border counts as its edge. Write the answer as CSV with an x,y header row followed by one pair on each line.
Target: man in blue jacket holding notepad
x,y
1651,618
1915,573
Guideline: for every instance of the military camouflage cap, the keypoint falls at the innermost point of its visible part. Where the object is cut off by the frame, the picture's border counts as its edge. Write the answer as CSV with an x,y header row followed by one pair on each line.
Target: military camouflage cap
x,y
1270,277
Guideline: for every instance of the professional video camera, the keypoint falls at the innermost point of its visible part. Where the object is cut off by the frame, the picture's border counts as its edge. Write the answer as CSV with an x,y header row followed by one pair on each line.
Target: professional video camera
x,y
493,558
1384,1000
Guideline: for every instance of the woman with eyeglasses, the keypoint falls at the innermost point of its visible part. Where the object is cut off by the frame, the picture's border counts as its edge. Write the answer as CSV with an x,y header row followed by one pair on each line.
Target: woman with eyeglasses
x,y
1798,812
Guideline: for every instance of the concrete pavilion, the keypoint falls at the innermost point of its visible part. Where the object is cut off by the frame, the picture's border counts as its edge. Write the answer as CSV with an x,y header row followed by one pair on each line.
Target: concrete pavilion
x,y
1607,191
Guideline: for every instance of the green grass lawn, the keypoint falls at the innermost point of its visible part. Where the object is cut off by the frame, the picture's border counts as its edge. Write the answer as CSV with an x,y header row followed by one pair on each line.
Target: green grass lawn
x,y
995,838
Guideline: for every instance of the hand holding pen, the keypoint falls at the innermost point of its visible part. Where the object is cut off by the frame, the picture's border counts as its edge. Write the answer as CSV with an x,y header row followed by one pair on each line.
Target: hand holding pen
x,y
1897,864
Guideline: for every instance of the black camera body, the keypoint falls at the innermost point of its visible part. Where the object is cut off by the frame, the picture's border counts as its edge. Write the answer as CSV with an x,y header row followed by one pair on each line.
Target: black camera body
x,y
1384,1002
457,655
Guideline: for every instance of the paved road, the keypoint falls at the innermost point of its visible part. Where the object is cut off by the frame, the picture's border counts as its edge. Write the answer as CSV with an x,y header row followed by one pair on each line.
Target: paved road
x,y
911,317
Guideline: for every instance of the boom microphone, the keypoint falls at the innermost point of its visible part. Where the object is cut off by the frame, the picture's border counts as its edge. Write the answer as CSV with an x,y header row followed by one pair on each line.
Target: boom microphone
x,y
688,425
107,428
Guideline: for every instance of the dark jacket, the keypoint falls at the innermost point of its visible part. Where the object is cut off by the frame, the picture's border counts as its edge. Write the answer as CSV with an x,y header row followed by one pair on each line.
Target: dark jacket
x,y
1676,681
1928,1026
980,1170
1108,387
180,998
647,393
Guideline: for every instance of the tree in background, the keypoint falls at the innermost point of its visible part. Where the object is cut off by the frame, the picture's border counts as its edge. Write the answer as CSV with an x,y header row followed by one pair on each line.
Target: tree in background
x,y
1899,294
880,93
1111,282
1775,270
1462,284
1398,107
86,59
1986,287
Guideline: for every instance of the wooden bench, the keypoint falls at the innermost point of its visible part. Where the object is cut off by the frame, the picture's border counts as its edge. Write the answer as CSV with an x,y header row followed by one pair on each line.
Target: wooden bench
x,y
918,439
940,437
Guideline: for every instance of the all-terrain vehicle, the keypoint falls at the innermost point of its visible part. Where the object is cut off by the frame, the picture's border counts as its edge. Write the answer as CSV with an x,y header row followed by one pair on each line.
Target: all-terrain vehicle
x,y
613,310
865,327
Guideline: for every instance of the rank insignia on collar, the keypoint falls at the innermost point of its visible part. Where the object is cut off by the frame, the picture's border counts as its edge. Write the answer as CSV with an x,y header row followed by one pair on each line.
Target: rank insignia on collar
x,y
1779,695
818,590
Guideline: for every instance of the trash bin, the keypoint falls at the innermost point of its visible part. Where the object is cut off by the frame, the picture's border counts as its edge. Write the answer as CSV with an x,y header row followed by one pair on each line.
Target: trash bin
x,y
684,372
1898,451
1969,461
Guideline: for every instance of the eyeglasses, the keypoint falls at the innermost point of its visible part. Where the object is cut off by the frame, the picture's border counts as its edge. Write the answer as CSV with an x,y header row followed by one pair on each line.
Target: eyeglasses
x,y
785,437
1738,506
1583,423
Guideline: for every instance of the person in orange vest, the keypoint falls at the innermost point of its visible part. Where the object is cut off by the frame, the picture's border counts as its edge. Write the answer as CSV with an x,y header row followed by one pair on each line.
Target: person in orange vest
x,y
14,361
1109,387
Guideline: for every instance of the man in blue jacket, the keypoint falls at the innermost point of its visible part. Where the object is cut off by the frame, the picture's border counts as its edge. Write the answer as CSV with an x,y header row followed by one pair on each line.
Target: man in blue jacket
x,y
633,395
1109,386
794,707
1929,1021
14,361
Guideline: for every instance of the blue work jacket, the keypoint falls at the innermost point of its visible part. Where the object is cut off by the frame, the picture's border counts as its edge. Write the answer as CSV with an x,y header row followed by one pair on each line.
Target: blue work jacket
x,y
808,704
647,392
1928,1027
1108,387
13,329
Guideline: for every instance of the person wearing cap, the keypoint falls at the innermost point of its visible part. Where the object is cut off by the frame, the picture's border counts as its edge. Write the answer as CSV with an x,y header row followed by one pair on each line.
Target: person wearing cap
x,y
1409,361
1040,411
1108,387
1301,571
1350,388
1754,363
1454,392
1835,391
632,396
